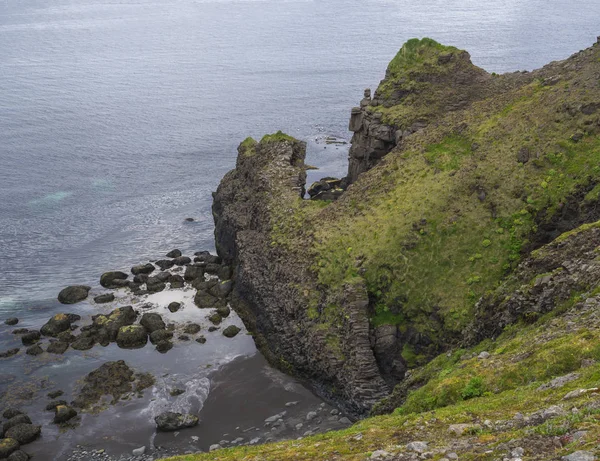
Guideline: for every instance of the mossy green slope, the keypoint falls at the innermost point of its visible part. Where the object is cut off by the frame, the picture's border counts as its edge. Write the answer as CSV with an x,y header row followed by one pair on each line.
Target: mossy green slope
x,y
451,211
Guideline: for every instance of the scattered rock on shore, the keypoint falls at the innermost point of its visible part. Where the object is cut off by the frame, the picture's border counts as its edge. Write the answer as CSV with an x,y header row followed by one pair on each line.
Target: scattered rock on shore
x,y
24,433
9,353
73,294
170,421
63,413
113,279
174,306
104,298
142,269
11,321
132,337
231,331
8,446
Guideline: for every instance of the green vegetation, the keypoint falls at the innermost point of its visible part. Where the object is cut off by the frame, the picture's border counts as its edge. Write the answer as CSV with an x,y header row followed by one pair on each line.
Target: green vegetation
x,y
277,137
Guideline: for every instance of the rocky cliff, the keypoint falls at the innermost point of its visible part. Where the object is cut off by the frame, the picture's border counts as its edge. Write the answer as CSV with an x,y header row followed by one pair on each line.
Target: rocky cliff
x,y
257,227
455,177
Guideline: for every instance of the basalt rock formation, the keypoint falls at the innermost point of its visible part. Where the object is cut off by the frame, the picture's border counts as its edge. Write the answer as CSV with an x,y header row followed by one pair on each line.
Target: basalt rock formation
x,y
455,177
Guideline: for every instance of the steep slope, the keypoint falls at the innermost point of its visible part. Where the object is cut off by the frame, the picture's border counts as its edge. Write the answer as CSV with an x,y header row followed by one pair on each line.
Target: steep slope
x,y
530,394
456,175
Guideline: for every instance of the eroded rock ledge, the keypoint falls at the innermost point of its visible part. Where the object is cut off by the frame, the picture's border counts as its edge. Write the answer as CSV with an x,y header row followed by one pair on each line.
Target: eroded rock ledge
x,y
274,287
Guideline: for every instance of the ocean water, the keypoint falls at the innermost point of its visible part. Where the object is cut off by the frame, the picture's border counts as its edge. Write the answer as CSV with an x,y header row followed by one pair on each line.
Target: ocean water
x,y
118,119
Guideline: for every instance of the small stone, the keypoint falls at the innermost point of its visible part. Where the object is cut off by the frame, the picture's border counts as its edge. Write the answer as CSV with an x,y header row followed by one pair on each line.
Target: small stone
x,y
311,415
517,452
214,447
419,447
201,339
299,426
460,429
580,456
139,451
345,420
451,455
212,328
380,455
11,321
231,331
174,306
483,355
63,413
55,394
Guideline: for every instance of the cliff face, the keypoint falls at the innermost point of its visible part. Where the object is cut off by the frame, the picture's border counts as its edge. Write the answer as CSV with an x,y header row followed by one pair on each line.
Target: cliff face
x,y
456,176
276,293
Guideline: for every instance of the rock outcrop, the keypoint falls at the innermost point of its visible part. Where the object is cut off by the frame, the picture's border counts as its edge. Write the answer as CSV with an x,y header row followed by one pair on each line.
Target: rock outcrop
x,y
266,187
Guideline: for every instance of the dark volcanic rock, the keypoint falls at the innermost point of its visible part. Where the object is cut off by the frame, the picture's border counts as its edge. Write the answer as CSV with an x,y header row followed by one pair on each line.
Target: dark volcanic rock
x,y
215,318
18,456
55,394
201,339
132,337
224,311
55,403
104,298
20,331
140,278
176,281
160,335
170,421
31,337
8,446
205,300
164,346
19,419
153,285
57,324
206,257
152,321
9,353
112,378
57,347
193,272
142,269
120,317
63,413
34,350
165,264
173,254
192,328
270,177
24,433
73,294
182,261
11,413
11,321
174,306
83,343
114,279
231,331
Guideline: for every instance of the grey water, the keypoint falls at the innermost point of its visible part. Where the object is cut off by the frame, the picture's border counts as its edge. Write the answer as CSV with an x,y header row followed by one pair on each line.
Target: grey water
x,y
118,118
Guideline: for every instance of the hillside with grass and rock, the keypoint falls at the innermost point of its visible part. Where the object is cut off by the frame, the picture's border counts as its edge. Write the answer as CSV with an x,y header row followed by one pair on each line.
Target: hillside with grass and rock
x,y
448,286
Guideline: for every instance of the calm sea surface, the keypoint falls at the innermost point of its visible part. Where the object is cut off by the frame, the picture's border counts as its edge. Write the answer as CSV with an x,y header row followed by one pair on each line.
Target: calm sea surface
x,y
118,119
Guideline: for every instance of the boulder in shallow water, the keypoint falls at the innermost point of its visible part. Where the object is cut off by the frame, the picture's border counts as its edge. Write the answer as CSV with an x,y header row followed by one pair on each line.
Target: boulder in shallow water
x,y
142,269
182,261
193,272
201,340
174,306
9,353
73,294
118,318
152,321
18,419
11,321
57,324
154,285
164,346
215,318
205,300
11,413
18,455
139,279
160,335
57,347
55,403
8,446
104,298
170,421
132,337
63,413
113,279
83,342
24,433
176,281
173,253
30,338
231,331
165,264
192,328
34,350
224,311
